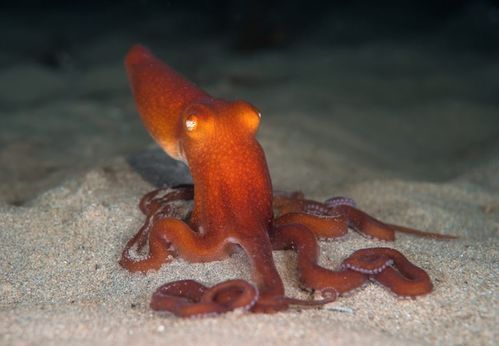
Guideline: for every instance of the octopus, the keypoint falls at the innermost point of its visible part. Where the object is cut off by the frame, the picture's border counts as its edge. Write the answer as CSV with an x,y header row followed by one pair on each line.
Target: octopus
x,y
234,207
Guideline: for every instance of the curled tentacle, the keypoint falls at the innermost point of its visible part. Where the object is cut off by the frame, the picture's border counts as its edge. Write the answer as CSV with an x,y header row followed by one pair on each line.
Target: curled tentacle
x,y
391,269
151,205
148,202
367,261
189,298
155,207
304,242
141,239
153,200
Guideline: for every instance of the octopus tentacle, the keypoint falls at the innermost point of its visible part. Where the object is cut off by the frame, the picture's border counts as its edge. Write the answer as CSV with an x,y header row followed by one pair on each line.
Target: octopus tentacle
x,y
368,261
265,274
371,227
336,209
189,298
422,234
157,254
170,237
317,208
321,226
170,295
304,242
365,224
344,207
391,269
138,241
285,202
161,229
150,204
154,208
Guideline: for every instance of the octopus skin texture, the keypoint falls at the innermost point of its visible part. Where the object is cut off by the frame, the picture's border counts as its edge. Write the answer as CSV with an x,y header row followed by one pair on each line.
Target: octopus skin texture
x,y
235,207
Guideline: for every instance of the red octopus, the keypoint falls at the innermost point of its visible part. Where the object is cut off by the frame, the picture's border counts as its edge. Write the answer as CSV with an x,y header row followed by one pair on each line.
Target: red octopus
x,y
234,206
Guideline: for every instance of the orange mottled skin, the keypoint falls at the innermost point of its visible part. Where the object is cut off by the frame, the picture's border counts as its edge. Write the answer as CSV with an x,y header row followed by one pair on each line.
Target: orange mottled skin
x,y
234,206
233,190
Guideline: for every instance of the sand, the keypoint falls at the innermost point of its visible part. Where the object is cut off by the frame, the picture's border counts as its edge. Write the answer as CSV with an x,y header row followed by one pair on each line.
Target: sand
x,y
409,133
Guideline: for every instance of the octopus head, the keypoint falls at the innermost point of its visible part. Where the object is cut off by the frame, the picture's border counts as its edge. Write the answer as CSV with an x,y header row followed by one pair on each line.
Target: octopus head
x,y
211,126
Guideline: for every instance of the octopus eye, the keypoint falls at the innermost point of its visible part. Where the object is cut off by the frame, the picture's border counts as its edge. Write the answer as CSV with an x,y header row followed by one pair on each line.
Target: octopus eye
x,y
249,114
252,119
191,123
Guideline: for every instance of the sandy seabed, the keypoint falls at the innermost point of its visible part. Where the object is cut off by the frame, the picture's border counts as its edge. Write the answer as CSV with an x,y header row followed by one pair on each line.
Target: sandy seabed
x,y
371,123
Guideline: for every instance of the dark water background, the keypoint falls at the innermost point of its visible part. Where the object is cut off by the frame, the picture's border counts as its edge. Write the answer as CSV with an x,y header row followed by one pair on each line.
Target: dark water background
x,y
409,88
